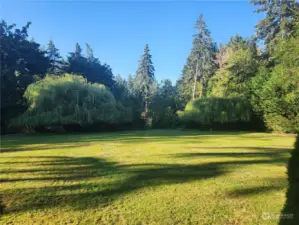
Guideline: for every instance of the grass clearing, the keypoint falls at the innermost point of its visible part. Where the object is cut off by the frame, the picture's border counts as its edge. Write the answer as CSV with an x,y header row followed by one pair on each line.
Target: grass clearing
x,y
144,177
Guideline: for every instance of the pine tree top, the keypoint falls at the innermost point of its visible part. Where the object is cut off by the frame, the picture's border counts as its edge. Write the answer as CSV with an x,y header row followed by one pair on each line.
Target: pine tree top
x,y
78,50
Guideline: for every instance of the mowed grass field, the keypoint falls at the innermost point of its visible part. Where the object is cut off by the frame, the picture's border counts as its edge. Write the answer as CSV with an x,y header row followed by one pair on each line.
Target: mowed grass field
x,y
144,177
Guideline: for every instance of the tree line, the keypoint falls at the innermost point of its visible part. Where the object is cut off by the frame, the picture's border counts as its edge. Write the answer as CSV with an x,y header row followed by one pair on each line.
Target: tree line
x,y
235,85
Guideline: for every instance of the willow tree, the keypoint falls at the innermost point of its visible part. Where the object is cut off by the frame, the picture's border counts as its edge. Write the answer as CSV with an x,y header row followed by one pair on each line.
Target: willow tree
x,y
209,111
70,99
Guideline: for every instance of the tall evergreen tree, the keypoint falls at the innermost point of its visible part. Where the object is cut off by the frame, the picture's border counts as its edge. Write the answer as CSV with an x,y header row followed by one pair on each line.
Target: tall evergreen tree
x,y
76,63
201,63
89,67
184,84
204,53
130,84
21,60
89,53
78,51
120,90
97,72
55,59
280,19
145,78
275,90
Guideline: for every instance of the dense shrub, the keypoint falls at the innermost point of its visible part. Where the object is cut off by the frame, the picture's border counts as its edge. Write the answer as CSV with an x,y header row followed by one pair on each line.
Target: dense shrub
x,y
21,58
124,92
163,106
71,100
212,111
292,204
165,118
275,92
238,64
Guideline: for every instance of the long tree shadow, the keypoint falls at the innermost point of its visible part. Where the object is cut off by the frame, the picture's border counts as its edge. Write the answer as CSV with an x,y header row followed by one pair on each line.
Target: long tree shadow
x,y
82,170
86,182
269,185
276,155
259,155
267,153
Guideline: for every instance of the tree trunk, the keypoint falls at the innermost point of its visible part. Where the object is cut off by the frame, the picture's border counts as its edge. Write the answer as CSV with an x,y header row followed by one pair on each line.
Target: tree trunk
x,y
202,77
202,86
195,79
145,110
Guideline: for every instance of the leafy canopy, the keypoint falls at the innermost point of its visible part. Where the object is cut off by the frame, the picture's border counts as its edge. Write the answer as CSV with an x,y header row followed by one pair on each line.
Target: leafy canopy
x,y
216,110
70,99
275,90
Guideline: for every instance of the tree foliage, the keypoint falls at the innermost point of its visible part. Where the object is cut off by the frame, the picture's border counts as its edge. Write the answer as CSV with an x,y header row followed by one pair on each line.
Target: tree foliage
x,y
216,110
200,65
55,60
239,63
164,106
70,99
276,91
144,82
280,19
89,67
124,92
21,60
232,84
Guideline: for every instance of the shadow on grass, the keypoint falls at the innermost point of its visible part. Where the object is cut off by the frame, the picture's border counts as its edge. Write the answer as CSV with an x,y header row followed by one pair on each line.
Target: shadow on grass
x,y
258,190
88,182
275,153
268,186
91,193
266,152
290,212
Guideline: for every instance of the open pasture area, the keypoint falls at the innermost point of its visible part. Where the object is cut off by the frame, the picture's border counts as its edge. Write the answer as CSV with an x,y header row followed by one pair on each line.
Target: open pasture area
x,y
144,177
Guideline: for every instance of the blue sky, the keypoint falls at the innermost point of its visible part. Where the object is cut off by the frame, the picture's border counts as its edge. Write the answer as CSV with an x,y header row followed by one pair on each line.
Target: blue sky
x,y
119,30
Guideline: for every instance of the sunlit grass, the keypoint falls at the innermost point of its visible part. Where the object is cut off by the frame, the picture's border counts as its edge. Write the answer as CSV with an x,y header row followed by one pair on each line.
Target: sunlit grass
x,y
144,177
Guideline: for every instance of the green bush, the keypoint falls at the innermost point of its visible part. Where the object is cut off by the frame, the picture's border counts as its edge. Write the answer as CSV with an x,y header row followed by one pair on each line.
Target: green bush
x,y
275,92
166,118
292,204
70,99
209,111
163,106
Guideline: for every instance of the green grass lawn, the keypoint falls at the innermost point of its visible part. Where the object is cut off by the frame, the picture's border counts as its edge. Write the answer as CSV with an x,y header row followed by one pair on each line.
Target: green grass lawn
x,y
144,177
